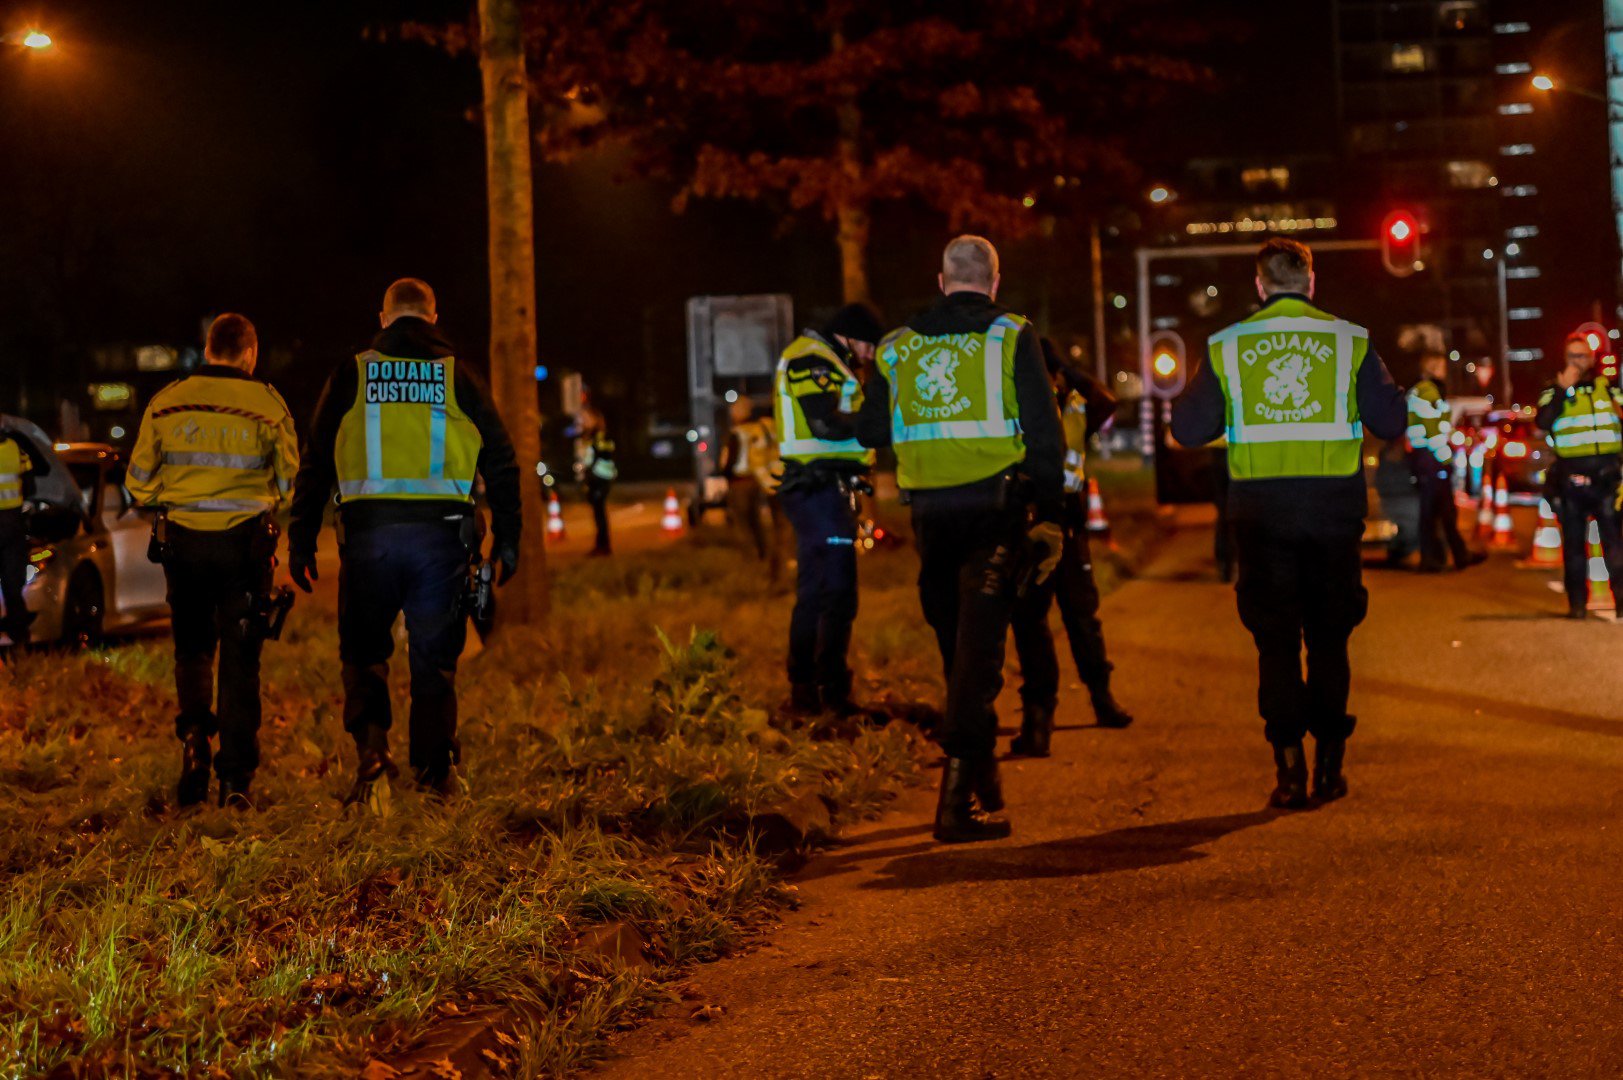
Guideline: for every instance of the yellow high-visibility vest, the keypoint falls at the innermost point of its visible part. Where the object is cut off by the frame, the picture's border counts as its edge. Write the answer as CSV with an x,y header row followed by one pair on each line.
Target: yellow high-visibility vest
x,y
405,437
13,464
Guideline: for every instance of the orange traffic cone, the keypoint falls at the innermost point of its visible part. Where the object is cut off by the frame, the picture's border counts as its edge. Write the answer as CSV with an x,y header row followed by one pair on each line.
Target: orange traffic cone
x,y
1504,534
672,521
1546,554
1098,524
555,517
1484,514
1600,583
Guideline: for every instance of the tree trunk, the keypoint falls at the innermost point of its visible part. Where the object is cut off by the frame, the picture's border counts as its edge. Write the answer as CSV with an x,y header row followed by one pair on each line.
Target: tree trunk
x,y
512,285
853,240
852,207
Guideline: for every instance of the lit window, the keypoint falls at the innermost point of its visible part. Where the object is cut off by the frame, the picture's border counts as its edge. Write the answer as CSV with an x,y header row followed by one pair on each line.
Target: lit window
x,y
1518,68
1522,232
1525,314
1525,355
1521,191
1521,149
1521,272
1470,174
1277,177
1516,108
1511,28
1409,59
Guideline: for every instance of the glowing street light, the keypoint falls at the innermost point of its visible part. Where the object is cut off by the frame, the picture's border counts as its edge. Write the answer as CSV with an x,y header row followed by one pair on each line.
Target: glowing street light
x,y
1160,193
28,39
1543,82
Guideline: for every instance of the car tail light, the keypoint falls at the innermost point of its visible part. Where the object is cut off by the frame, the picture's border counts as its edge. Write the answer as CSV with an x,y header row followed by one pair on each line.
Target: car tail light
x,y
1514,449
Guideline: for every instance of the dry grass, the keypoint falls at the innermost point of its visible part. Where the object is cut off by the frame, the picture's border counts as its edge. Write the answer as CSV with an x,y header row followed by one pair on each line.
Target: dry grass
x,y
617,767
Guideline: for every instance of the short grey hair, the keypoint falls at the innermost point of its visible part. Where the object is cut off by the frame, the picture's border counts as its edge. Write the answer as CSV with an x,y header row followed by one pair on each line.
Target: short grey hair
x,y
970,260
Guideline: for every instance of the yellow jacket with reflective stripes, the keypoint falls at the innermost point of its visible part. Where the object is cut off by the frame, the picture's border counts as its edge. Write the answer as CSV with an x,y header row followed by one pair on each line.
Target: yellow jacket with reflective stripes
x,y
1073,417
14,465
216,448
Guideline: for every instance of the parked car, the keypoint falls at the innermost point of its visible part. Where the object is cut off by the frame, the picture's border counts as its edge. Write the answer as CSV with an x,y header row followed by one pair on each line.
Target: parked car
x,y
88,572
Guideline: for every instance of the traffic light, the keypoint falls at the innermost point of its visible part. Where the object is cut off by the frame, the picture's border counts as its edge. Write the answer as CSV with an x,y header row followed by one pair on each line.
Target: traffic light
x,y
1400,244
1168,369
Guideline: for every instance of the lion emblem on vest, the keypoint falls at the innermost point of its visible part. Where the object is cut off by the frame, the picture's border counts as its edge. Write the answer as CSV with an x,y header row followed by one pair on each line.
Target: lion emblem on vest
x,y
935,382
1287,380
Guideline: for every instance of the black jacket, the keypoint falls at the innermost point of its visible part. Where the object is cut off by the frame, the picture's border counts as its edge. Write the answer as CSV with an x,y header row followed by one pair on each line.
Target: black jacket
x,y
1201,415
408,338
1044,466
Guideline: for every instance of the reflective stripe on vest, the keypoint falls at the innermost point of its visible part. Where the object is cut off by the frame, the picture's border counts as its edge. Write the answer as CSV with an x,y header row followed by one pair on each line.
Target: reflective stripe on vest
x,y
1589,423
955,418
797,442
1289,375
11,475
405,437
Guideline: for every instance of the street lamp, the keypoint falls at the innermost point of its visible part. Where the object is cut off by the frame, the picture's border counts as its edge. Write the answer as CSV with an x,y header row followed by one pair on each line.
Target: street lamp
x,y
1548,84
28,39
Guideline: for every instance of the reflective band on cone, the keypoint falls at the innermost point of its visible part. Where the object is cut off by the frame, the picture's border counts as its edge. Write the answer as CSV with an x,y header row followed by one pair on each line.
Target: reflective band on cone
x,y
1546,554
1600,583
672,521
1098,524
555,517
1504,535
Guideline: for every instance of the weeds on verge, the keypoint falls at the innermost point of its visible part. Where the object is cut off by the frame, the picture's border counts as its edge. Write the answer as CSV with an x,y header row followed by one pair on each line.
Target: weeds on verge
x,y
616,767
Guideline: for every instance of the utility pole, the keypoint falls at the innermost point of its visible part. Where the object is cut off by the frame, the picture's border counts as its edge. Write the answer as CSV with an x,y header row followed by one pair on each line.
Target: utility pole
x,y
1101,364
510,196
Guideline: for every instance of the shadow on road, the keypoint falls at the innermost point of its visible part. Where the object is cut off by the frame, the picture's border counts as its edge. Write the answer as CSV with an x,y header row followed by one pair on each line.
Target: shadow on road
x,y
1136,848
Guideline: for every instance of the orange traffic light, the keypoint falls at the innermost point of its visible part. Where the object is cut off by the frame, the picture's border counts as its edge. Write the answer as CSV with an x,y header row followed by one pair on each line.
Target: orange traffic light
x,y
1168,370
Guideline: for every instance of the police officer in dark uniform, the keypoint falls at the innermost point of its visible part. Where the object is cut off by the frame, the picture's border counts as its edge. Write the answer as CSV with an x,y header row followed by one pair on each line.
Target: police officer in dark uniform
x,y
403,431
815,405
1582,412
16,473
1295,388
216,451
1431,456
962,394
1084,406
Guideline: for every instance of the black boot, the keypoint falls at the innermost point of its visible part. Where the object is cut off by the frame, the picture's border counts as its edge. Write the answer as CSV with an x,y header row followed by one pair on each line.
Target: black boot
x,y
988,785
1577,610
805,699
1290,767
1328,782
440,783
957,819
372,762
195,758
1106,712
1036,731
234,793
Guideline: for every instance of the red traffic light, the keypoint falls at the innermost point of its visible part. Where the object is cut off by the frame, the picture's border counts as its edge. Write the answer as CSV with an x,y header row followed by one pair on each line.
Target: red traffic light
x,y
1400,243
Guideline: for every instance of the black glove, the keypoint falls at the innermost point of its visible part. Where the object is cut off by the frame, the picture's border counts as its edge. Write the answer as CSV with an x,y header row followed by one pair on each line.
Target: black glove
x,y
505,554
301,567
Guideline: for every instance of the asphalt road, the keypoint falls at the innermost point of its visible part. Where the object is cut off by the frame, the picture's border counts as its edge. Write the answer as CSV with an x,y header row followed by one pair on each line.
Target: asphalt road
x,y
1458,914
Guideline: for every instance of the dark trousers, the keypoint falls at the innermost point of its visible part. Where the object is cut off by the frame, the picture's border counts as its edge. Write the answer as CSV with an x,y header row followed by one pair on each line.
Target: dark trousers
x,y
1439,519
419,570
968,561
13,570
1301,583
1223,534
1575,505
825,589
1072,585
213,579
597,494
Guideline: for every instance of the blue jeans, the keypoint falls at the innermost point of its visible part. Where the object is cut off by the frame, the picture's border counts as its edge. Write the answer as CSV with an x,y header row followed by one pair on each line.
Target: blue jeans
x,y
826,590
419,569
